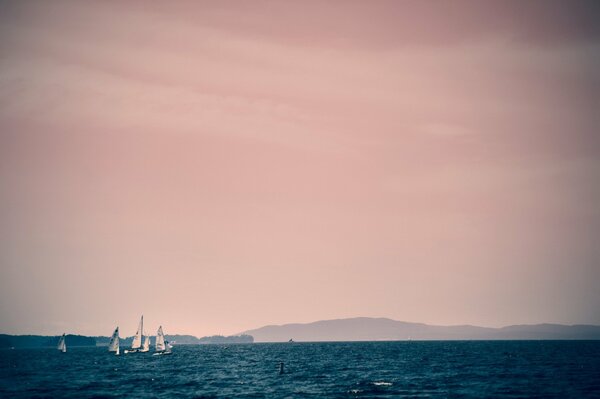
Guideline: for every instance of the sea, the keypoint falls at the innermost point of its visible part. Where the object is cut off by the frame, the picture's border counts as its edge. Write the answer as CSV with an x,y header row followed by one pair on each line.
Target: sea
x,y
401,369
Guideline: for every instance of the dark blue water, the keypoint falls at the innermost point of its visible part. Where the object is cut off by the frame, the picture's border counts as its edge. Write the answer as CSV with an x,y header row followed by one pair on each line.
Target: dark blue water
x,y
441,369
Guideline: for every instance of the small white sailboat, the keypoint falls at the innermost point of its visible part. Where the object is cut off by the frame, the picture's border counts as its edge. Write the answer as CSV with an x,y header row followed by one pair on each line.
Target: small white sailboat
x,y
62,346
136,345
114,344
161,347
146,345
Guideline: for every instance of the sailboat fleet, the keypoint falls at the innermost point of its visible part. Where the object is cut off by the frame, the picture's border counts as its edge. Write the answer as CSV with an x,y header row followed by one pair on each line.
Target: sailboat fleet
x,y
140,344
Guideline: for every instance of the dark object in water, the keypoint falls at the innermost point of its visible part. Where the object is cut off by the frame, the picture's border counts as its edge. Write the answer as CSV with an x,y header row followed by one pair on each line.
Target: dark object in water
x,y
281,368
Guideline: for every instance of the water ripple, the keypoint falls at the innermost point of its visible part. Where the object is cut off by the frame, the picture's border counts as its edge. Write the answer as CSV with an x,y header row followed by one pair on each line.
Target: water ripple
x,y
312,370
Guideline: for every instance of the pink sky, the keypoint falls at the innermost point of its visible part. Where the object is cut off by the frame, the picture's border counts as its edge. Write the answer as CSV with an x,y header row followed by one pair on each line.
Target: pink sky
x,y
218,166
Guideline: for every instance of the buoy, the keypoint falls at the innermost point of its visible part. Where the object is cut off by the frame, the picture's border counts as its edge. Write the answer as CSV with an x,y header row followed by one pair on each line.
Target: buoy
x,y
281,368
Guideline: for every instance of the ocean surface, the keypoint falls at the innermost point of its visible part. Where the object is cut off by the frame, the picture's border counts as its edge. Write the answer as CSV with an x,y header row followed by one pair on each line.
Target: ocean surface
x,y
415,369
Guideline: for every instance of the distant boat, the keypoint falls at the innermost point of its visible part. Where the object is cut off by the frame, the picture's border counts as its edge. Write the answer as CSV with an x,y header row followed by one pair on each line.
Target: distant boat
x,y
161,347
291,340
136,345
62,346
114,343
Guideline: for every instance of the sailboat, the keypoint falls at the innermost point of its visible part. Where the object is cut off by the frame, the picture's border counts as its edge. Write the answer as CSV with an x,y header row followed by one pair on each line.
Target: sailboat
x,y
62,346
137,340
146,345
114,344
161,347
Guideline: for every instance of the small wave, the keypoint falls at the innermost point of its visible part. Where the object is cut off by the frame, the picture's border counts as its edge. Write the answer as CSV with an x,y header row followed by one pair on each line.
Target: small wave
x,y
382,383
355,391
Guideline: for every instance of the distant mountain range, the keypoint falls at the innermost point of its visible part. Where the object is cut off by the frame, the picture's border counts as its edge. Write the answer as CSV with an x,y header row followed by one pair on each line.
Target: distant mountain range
x,y
33,341
353,329
382,329
187,340
37,341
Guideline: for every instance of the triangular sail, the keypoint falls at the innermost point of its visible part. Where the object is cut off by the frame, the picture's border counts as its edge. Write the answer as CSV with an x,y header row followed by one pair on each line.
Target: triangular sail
x,y
137,340
62,346
113,345
146,346
160,340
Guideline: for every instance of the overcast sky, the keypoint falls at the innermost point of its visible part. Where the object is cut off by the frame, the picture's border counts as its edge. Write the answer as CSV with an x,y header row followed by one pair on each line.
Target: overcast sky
x,y
219,166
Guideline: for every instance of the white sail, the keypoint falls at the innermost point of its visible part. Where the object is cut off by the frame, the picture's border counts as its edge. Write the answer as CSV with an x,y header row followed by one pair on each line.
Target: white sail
x,y
113,345
62,346
146,346
160,340
137,340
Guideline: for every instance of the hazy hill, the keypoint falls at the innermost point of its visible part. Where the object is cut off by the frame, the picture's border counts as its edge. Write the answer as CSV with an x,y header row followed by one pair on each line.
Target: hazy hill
x,y
380,329
126,341
354,329
33,341
234,339
39,341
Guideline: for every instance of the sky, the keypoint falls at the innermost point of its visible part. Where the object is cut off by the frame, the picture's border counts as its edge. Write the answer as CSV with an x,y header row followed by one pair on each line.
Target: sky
x,y
222,165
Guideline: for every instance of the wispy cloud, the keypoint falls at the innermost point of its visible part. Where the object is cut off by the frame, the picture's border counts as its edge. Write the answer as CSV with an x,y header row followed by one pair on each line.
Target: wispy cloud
x,y
393,144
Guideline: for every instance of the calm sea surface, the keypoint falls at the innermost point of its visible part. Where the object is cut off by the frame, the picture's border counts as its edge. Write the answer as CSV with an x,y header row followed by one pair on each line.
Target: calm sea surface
x,y
440,369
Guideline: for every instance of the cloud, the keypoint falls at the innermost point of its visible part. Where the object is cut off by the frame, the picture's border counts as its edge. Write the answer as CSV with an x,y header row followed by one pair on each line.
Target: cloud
x,y
370,141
